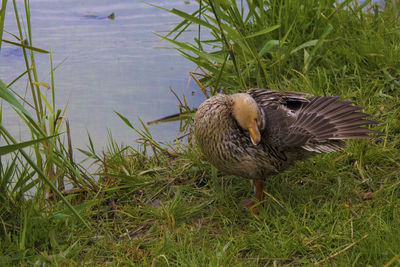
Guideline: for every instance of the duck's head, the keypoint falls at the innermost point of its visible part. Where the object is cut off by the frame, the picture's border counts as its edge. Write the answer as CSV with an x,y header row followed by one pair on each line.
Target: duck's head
x,y
246,112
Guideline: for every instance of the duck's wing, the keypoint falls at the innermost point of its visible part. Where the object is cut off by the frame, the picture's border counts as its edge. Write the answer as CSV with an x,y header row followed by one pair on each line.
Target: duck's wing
x,y
279,112
272,99
313,123
327,120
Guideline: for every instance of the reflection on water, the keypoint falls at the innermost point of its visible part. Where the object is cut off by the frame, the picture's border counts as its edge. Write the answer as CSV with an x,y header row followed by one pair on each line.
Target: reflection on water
x,y
111,64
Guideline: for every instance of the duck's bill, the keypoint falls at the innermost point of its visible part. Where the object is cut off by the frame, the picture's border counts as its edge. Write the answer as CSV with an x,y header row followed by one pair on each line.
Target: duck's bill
x,y
254,134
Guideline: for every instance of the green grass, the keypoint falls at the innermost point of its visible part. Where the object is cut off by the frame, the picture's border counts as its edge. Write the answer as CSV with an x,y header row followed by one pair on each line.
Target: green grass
x,y
174,208
166,206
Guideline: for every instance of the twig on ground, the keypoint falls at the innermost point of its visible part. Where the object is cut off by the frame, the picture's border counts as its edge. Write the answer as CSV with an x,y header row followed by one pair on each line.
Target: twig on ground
x,y
392,260
341,251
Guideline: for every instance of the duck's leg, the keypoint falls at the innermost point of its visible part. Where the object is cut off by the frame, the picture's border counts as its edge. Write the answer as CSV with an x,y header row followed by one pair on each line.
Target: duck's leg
x,y
259,185
259,190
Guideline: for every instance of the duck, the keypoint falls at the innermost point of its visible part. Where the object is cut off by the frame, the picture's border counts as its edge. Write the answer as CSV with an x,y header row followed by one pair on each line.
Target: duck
x,y
261,132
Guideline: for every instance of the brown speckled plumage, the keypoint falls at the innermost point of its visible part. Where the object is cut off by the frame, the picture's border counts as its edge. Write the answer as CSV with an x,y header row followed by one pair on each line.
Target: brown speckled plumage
x,y
292,126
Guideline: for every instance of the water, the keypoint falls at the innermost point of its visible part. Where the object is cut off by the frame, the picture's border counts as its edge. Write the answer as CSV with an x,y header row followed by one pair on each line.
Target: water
x,y
110,65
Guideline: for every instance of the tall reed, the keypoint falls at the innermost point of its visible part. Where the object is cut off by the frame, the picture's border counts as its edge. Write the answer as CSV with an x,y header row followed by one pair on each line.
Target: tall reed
x,y
46,168
266,44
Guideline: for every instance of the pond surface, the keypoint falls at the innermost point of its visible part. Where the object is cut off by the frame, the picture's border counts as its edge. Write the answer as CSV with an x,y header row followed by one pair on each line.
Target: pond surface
x,y
109,65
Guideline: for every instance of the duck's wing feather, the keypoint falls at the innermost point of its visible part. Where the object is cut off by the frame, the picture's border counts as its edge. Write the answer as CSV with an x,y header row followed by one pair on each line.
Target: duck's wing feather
x,y
273,99
314,123
327,121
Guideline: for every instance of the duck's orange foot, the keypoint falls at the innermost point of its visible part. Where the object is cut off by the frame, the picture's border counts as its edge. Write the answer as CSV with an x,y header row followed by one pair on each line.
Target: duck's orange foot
x,y
249,203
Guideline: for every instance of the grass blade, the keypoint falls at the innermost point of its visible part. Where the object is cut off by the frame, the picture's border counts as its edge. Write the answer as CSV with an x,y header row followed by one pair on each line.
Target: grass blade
x,y
7,96
10,98
192,19
182,45
11,148
328,29
264,31
2,18
39,50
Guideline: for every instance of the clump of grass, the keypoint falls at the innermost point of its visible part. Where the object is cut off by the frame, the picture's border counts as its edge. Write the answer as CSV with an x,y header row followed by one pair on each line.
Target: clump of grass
x,y
168,207
29,178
